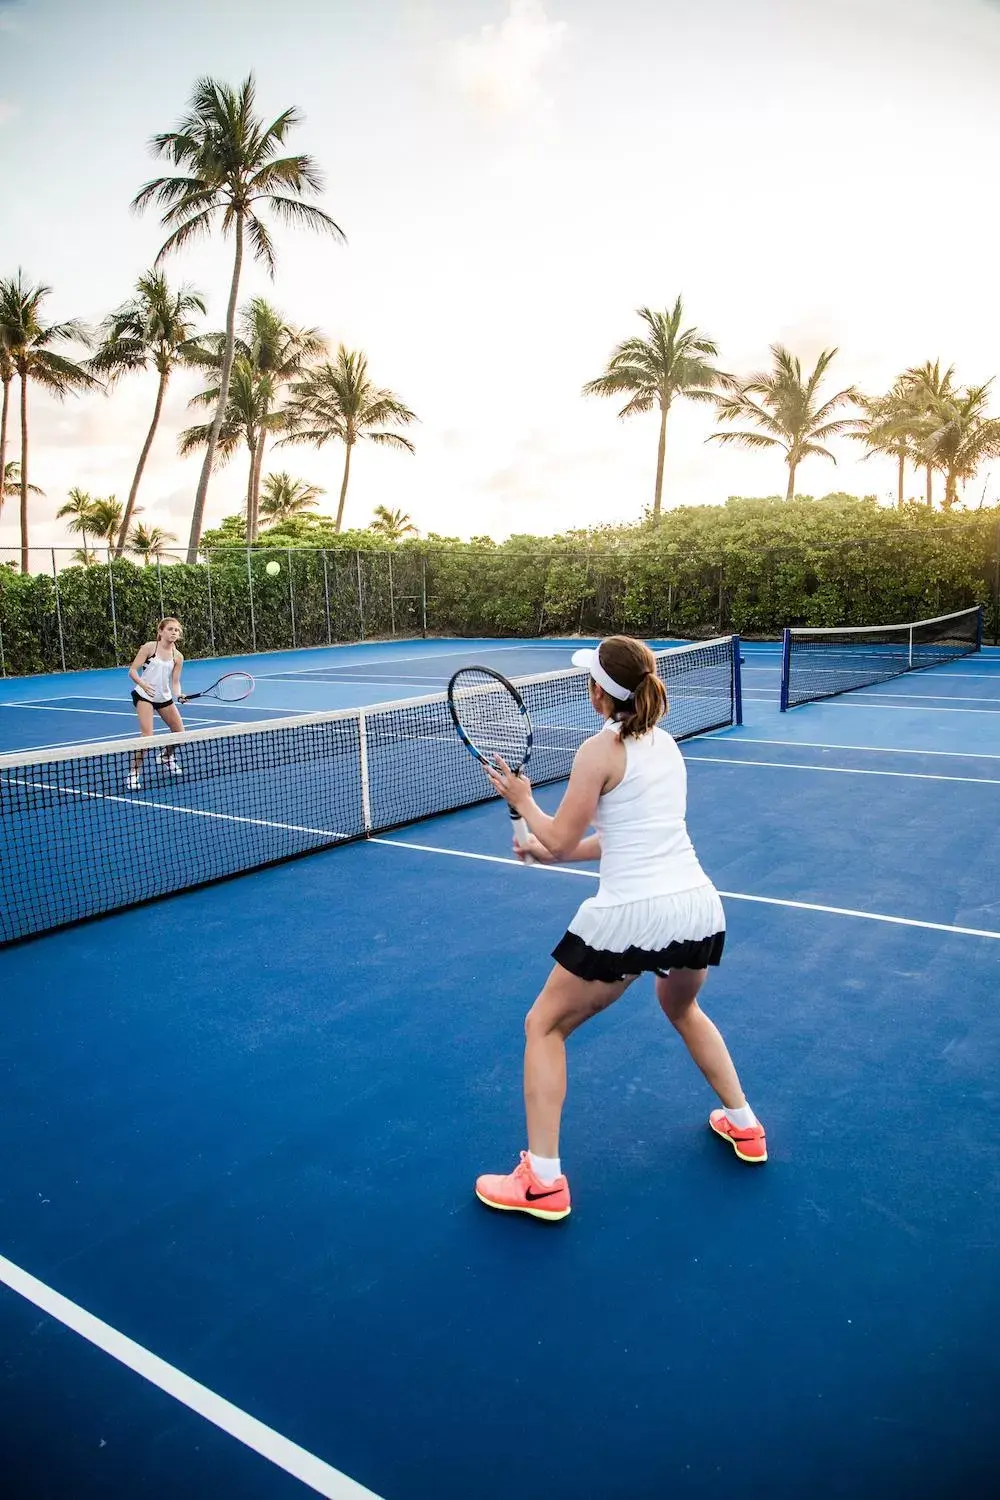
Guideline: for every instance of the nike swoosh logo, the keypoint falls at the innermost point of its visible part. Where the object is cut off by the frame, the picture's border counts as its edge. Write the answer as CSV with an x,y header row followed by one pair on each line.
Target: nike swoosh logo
x,y
533,1197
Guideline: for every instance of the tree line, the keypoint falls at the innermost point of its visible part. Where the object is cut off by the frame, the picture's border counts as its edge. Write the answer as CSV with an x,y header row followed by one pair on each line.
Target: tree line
x,y
268,381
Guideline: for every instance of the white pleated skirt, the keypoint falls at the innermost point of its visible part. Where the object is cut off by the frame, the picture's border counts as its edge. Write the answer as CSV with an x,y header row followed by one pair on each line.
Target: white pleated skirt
x,y
684,930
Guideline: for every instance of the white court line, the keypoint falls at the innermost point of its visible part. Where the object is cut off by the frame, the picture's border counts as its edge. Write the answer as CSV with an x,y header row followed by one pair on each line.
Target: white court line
x,y
107,739
263,1440
566,650
870,694
127,713
837,911
191,812
841,702
728,738
792,765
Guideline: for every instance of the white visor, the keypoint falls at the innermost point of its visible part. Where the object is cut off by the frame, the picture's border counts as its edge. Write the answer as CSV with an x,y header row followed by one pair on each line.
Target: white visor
x,y
590,659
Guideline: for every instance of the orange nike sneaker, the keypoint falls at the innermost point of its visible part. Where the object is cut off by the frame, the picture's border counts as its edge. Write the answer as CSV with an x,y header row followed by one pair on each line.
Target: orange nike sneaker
x,y
522,1191
749,1145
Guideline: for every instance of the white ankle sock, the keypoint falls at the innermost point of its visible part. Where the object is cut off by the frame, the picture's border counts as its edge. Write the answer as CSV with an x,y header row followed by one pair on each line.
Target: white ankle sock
x,y
743,1118
545,1168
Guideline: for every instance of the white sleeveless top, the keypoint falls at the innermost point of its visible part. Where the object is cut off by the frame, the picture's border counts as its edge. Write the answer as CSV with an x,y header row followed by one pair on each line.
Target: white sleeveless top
x,y
645,848
156,675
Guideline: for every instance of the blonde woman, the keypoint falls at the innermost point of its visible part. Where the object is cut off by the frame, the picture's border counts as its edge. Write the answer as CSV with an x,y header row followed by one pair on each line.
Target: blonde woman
x,y
655,911
156,674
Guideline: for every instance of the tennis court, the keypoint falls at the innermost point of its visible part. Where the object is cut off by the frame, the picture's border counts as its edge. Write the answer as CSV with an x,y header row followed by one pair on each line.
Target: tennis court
x,y
241,1255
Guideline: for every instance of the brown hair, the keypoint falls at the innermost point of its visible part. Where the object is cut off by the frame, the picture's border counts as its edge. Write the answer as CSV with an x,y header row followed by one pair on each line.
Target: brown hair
x,y
633,665
167,620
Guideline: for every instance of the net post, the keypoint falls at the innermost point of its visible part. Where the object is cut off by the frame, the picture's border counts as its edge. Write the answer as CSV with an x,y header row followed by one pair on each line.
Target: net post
x,y
253,621
786,659
909,647
979,629
291,596
737,682
59,625
366,802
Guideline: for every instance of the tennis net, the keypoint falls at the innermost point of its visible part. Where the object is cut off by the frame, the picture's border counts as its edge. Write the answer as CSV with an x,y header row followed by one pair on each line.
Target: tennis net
x,y
822,663
77,840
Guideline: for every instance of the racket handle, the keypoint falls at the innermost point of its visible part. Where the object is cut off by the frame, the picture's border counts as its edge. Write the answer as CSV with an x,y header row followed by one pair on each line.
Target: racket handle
x,y
522,835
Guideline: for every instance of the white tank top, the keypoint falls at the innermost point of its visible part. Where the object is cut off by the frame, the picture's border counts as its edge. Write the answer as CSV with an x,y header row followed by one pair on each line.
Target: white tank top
x,y
645,848
156,675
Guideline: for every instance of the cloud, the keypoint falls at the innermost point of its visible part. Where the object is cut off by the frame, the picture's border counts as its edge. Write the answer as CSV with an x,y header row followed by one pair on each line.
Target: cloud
x,y
500,70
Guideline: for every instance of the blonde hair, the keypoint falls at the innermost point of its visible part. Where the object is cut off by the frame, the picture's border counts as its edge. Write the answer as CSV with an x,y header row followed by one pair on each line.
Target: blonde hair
x,y
633,665
167,620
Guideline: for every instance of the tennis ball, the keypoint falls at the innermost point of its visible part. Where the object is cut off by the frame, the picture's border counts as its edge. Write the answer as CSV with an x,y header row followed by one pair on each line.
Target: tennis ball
x,y
273,568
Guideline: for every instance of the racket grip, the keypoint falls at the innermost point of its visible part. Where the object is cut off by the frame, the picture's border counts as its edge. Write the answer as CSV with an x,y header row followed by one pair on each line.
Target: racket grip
x,y
522,835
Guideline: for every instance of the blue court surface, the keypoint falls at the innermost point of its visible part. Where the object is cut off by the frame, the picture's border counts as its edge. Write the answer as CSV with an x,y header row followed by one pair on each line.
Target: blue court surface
x,y
240,1254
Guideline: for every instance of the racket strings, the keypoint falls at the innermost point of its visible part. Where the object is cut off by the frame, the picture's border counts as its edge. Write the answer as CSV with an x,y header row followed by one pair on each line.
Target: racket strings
x,y
492,718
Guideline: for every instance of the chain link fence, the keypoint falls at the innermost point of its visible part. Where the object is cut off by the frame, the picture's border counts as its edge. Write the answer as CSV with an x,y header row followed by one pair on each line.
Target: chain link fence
x,y
64,616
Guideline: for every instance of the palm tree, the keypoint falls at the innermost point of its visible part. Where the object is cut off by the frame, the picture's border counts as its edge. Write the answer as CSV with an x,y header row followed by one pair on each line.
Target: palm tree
x,y
887,427
105,517
149,542
79,508
961,437
670,362
11,487
283,497
392,524
246,414
925,388
85,556
277,352
155,329
230,166
7,317
337,402
29,344
788,410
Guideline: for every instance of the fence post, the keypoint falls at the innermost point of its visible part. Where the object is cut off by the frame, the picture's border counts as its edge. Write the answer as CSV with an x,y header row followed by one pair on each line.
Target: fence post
x,y
392,605
159,584
59,627
253,622
996,586
423,593
211,610
114,618
3,662
326,595
361,598
291,596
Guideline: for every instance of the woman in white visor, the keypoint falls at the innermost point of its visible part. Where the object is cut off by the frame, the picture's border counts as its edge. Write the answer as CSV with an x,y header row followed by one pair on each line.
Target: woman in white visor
x,y
655,911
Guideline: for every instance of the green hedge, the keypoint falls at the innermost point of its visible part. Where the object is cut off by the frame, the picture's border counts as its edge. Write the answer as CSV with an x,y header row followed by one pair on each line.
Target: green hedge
x,y
752,566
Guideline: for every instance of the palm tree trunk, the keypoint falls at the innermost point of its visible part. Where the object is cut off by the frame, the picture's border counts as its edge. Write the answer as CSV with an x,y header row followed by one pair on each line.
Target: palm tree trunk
x,y
790,492
252,445
343,487
3,441
930,489
133,492
198,516
258,463
660,456
24,473
900,472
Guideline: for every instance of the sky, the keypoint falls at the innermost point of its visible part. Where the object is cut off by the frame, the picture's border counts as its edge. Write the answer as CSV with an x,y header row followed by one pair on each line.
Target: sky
x,y
515,178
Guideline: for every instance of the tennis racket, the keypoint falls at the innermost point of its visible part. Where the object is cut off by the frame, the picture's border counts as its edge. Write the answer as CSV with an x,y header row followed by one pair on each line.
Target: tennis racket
x,y
491,720
229,688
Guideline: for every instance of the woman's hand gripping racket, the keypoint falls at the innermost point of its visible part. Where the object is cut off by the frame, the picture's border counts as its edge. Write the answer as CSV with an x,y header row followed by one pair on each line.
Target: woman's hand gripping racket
x,y
494,725
230,688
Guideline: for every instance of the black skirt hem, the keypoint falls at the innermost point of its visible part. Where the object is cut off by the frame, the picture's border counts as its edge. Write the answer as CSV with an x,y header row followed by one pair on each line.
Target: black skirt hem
x,y
600,963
